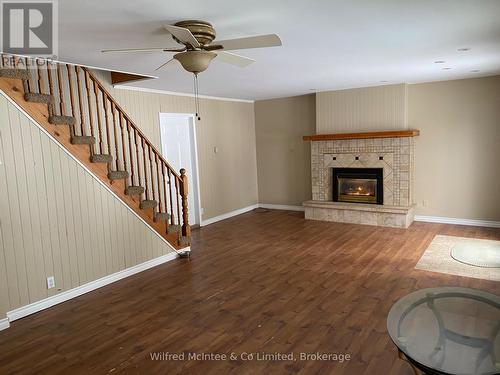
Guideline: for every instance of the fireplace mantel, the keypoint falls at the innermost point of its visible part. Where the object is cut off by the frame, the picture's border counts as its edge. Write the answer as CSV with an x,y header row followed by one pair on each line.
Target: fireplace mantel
x,y
366,135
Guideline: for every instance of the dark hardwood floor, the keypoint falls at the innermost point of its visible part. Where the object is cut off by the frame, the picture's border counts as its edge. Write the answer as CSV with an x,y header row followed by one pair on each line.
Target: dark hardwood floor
x,y
261,282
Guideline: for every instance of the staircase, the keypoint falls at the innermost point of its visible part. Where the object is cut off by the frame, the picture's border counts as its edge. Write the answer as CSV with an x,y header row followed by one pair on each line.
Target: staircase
x,y
71,104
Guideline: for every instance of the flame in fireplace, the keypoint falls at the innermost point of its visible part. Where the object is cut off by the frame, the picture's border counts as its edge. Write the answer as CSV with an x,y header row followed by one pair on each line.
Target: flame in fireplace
x,y
357,187
359,190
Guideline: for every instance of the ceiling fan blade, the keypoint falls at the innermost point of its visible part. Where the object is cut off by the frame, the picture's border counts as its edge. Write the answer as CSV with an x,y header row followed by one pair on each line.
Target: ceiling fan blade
x,y
166,64
259,41
135,50
183,34
234,59
213,47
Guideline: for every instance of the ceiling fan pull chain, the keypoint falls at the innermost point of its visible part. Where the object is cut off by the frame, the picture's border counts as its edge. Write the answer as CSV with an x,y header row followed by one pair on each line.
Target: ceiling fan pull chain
x,y
194,92
197,97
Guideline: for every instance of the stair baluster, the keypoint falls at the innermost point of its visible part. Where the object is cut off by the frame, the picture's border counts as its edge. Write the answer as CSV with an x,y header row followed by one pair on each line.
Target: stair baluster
x,y
178,205
28,81
172,217
151,175
106,117
123,140
71,96
62,108
116,136
137,160
99,120
165,209
80,105
90,111
131,156
49,77
146,185
158,182
39,71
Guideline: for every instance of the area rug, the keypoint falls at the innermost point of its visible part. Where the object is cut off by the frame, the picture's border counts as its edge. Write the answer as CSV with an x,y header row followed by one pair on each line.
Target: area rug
x,y
437,257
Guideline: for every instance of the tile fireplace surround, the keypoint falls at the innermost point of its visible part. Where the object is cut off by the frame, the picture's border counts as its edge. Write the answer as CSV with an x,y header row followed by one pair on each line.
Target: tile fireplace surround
x,y
392,151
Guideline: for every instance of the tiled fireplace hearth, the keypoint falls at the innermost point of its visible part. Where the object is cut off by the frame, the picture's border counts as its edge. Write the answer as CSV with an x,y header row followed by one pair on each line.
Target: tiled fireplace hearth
x,y
388,154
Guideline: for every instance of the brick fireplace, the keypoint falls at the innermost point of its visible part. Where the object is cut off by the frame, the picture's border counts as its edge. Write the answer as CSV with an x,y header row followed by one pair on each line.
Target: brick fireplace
x,y
362,178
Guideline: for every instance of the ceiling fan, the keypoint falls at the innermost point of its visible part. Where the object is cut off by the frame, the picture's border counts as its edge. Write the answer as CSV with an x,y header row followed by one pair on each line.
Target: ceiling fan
x,y
199,47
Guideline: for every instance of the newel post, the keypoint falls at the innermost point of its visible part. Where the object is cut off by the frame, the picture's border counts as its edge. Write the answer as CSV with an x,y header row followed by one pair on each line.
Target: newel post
x,y
186,229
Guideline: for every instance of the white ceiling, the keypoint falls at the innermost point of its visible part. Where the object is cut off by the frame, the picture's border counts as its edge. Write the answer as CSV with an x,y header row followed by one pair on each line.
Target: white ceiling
x,y
327,44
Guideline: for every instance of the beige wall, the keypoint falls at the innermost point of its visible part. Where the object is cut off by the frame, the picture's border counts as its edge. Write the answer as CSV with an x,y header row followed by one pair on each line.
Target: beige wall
x,y
362,109
457,156
283,158
57,220
228,178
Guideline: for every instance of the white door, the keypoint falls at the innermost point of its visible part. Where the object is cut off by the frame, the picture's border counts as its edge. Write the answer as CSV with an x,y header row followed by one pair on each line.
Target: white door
x,y
178,141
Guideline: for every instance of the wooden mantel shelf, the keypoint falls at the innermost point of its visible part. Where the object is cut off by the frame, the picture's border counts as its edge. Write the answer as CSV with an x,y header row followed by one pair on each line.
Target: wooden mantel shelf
x,y
385,134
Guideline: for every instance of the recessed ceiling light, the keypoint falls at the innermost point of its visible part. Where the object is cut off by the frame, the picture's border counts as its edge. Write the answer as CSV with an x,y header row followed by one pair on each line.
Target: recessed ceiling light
x,y
464,49
475,71
384,81
439,62
312,89
446,68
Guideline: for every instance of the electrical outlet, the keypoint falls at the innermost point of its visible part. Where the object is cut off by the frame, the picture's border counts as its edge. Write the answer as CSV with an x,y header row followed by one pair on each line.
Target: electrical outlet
x,y
51,282
425,203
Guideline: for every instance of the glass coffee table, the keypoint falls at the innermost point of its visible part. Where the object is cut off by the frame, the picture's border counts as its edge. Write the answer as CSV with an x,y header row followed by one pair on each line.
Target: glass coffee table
x,y
448,331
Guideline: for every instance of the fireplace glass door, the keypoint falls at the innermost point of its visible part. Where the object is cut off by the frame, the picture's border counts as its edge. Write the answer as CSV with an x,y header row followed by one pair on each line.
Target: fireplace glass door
x,y
358,185
357,190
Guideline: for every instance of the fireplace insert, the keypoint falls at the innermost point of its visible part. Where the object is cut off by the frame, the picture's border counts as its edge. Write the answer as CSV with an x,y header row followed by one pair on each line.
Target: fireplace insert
x,y
358,185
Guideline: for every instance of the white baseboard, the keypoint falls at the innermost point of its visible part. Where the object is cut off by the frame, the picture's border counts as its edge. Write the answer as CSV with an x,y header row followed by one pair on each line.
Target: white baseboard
x,y
34,307
452,220
281,207
228,215
4,323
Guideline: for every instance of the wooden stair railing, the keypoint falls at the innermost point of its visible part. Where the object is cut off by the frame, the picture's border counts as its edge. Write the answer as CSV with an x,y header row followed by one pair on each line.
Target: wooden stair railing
x,y
75,97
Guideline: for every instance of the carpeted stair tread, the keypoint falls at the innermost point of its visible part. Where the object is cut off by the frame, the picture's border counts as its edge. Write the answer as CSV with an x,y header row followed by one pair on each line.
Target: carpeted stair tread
x,y
62,120
162,216
148,203
82,140
14,73
101,158
117,175
134,190
173,229
38,98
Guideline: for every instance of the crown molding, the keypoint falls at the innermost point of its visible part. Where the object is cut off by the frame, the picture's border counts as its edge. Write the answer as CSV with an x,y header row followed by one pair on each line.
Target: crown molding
x,y
173,93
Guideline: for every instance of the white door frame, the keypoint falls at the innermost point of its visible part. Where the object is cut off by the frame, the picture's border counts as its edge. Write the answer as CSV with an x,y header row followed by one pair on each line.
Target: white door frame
x,y
196,172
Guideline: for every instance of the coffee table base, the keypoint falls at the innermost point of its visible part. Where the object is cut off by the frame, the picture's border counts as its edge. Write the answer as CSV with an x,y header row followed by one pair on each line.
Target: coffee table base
x,y
402,356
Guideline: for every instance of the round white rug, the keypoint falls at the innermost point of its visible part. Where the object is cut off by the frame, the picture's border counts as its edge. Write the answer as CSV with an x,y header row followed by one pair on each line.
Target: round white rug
x,y
475,253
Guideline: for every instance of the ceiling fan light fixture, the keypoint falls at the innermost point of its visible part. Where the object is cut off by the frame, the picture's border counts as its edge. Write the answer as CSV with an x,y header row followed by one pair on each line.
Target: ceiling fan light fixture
x,y
195,61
